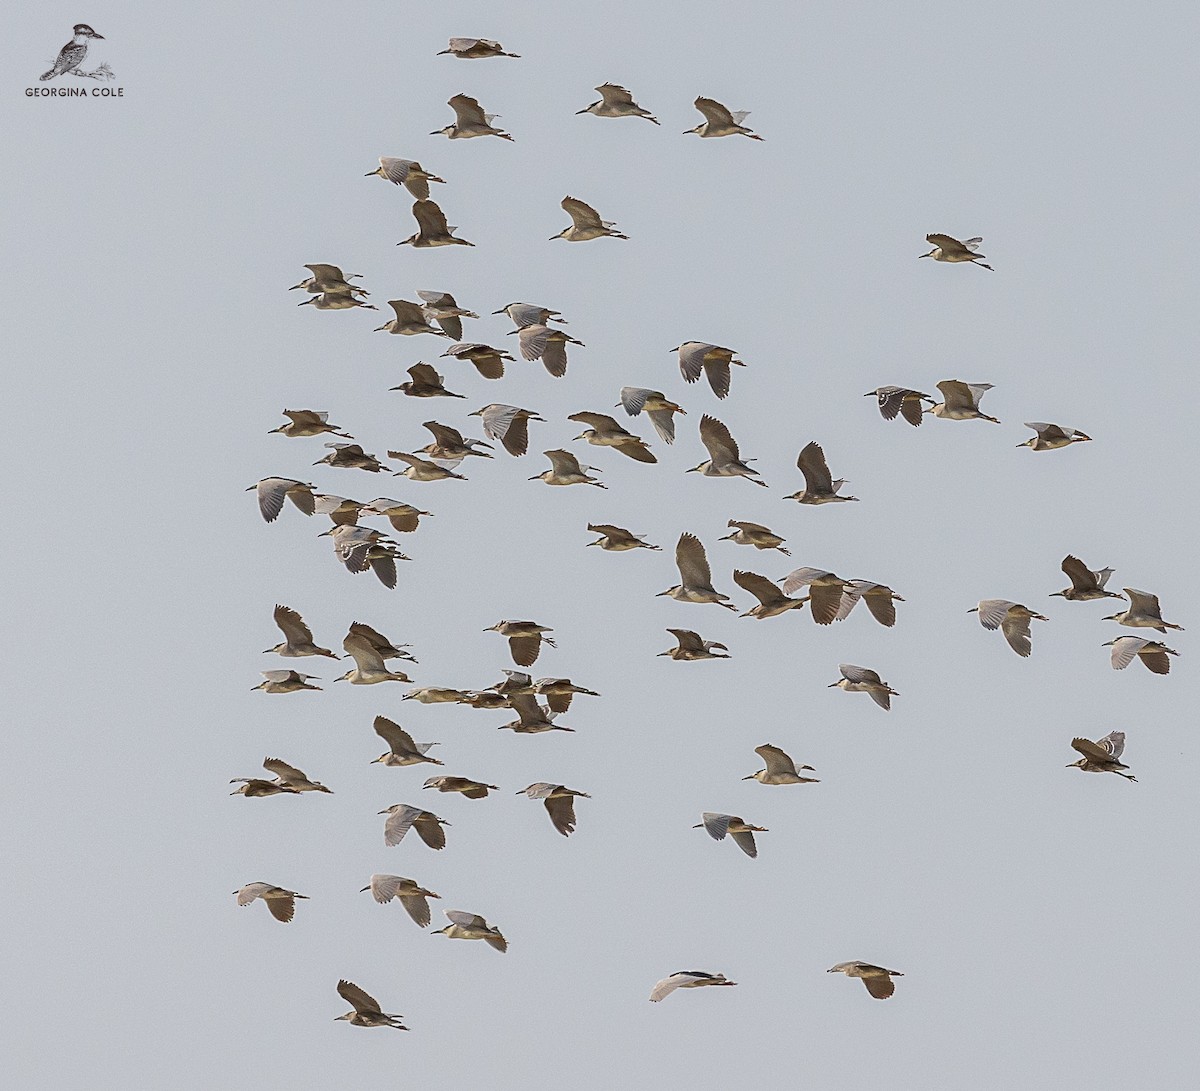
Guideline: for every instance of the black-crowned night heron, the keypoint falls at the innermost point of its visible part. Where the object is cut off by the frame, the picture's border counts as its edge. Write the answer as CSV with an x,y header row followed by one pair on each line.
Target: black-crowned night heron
x,y
1086,585
1152,653
720,120
780,768
695,577
585,223
864,680
407,173
402,750
281,903
960,401
691,646
724,458
285,682
718,825
469,120
411,895
471,926
1011,618
687,979
366,1011
404,816
297,637
559,801
754,534
1143,613
900,401
616,101
307,422
617,539
1102,756
698,358
946,248
877,980
819,486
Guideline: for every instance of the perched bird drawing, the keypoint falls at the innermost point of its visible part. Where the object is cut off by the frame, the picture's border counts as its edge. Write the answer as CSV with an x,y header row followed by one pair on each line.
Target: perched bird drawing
x,y
74,53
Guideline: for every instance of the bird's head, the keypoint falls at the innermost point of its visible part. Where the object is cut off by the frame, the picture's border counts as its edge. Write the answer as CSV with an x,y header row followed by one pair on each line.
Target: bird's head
x,y
87,32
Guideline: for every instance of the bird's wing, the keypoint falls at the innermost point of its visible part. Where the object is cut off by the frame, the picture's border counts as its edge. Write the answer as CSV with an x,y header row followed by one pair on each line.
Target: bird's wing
x,y
666,986
430,218
692,562
467,111
251,891
716,368
563,462
881,604
1015,628
973,244
609,531
398,823
385,887
425,375
305,416
515,439
760,587
282,907
850,599
372,636
633,398
533,341
977,391
859,674
526,707
776,760
541,789
399,741
326,272
692,355
1125,650
364,653
992,612
554,356
716,824
801,577
1114,743
912,411
615,95
395,170
688,640
406,311
811,463
1082,578
890,399
562,813
359,1000
417,907
271,491
443,434
722,448
467,920
581,213
291,624
1142,602
429,829
1090,750
879,986
716,114
496,941
1157,662
600,421
824,601
286,774
955,394
437,299
945,243
278,676
744,840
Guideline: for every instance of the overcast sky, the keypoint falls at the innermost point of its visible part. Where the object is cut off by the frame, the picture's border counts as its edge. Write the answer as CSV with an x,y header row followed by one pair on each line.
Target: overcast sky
x,y
1045,920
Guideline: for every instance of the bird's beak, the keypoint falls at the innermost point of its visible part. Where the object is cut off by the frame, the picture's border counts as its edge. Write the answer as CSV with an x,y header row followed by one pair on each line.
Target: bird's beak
x,y
95,35
364,889
1081,436
307,301
750,777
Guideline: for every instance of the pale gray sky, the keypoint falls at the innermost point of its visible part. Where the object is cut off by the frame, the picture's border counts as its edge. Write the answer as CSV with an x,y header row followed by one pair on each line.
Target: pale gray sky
x,y
1045,920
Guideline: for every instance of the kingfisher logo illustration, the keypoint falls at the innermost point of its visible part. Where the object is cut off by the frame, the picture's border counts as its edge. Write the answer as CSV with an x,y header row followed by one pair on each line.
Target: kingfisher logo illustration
x,y
72,63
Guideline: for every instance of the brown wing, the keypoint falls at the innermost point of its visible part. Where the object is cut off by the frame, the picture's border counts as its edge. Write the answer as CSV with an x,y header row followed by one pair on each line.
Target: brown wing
x,y
811,463
1078,573
359,1000
759,586
562,813
879,986
429,829
525,649
430,218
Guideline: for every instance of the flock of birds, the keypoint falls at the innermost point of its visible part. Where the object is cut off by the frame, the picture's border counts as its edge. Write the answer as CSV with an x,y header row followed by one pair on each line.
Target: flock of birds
x,y
538,703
